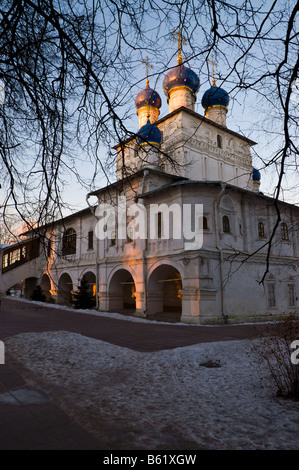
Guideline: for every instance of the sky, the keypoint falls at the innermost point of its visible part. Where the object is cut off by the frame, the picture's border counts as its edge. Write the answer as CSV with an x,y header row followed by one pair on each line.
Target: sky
x,y
249,112
241,118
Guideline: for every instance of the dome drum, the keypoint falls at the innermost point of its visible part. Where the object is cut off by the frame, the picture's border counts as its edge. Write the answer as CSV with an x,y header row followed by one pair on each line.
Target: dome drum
x,y
215,102
148,103
180,86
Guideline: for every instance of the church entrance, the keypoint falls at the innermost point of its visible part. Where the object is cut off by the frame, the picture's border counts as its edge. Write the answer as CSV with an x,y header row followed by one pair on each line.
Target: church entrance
x,y
90,279
65,290
46,286
164,301
122,292
29,286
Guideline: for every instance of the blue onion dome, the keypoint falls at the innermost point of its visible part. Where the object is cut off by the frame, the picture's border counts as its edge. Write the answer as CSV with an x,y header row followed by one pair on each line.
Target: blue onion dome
x,y
148,97
256,176
180,76
149,134
215,96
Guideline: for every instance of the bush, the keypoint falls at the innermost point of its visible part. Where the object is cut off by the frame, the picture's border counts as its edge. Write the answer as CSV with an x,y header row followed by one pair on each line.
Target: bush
x,y
83,298
275,351
38,294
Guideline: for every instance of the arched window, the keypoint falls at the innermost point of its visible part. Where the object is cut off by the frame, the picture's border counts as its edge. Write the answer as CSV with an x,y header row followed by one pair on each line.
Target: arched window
x,y
113,238
219,141
271,295
69,242
284,231
225,224
159,225
90,240
261,230
49,248
291,294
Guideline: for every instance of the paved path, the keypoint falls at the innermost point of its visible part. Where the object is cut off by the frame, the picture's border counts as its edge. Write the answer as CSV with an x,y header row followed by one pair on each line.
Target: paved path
x,y
28,418
20,317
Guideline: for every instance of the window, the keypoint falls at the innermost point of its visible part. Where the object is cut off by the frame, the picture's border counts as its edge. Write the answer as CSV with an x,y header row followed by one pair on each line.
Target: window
x,y
159,224
69,242
261,230
49,248
90,240
271,295
219,141
205,223
284,231
5,261
225,224
14,257
113,238
291,295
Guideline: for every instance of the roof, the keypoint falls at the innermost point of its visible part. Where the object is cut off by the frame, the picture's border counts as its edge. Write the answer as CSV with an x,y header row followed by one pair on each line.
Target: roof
x,y
217,183
200,117
116,184
134,175
82,212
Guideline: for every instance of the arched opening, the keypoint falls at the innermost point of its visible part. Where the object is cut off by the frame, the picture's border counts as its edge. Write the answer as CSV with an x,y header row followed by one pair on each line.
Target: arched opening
x,y
65,290
164,301
205,223
16,290
261,230
219,141
90,279
284,231
225,224
122,292
29,286
46,286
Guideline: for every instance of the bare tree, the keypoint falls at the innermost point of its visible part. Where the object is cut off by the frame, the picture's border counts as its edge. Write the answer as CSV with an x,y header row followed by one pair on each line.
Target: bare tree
x,y
7,230
71,71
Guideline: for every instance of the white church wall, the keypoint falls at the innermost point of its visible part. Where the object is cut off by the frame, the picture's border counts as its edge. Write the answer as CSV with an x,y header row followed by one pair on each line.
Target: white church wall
x,y
247,298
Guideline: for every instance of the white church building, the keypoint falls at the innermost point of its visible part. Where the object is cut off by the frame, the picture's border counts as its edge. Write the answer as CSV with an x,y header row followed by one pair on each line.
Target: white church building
x,y
182,160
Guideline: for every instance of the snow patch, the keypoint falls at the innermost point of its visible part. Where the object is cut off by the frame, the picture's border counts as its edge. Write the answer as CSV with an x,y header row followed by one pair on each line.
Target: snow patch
x,y
161,400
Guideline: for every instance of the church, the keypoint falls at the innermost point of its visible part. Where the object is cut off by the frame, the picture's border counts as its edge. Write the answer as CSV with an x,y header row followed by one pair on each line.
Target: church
x,y
182,159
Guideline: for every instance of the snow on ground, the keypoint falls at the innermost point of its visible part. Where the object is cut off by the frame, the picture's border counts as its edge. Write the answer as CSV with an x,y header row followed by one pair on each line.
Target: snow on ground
x,y
160,400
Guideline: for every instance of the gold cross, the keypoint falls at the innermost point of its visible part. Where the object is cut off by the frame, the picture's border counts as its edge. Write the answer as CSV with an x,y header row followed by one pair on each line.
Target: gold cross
x,y
177,35
146,62
213,74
